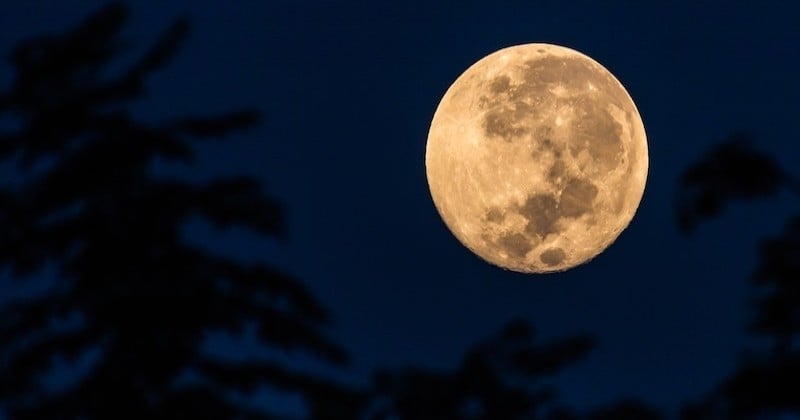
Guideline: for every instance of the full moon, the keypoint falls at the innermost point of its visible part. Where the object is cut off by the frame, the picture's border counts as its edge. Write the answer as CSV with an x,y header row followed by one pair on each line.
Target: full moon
x,y
536,158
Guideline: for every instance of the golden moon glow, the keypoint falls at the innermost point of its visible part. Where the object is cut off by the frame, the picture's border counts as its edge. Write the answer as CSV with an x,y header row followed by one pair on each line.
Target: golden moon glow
x,y
536,158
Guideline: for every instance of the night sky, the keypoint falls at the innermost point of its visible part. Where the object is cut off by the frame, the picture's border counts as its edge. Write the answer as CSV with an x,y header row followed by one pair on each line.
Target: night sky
x,y
347,92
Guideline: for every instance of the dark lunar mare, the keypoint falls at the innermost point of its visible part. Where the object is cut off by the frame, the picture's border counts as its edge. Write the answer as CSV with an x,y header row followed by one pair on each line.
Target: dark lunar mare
x,y
511,117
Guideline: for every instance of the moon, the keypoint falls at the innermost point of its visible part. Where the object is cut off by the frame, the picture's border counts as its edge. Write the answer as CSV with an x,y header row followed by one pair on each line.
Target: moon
x,y
536,158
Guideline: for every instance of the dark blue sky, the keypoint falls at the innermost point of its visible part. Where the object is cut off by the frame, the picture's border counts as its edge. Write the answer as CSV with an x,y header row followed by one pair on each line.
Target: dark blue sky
x,y
347,92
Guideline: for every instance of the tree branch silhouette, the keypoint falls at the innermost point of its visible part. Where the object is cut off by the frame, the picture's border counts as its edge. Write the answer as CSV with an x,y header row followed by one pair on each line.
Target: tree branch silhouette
x,y
767,382
731,171
86,203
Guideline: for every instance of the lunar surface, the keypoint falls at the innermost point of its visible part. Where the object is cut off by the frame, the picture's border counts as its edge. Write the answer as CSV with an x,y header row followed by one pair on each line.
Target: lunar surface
x,y
536,158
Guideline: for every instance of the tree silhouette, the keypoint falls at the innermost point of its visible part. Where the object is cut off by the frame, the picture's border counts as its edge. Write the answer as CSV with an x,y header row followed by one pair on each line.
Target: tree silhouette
x,y
129,286
768,382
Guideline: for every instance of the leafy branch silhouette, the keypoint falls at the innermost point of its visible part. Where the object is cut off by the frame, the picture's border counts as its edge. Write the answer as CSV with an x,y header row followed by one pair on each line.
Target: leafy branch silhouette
x,y
767,382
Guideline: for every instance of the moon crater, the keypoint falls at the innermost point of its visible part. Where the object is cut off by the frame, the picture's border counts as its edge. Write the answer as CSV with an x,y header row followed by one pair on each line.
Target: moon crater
x,y
536,158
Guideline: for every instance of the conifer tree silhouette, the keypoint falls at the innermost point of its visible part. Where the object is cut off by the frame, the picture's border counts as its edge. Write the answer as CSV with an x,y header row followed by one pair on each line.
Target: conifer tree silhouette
x,y
85,203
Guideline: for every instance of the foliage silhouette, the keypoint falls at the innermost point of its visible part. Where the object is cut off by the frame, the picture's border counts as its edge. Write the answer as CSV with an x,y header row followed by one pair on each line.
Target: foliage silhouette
x,y
733,170
498,379
128,285
767,382
502,378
